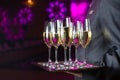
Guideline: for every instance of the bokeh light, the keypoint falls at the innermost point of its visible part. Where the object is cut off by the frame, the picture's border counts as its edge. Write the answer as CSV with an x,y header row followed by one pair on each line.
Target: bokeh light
x,y
25,16
14,31
56,9
3,18
79,10
29,3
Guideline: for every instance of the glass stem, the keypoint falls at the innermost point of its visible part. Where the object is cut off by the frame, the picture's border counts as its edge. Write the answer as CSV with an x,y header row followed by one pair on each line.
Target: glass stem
x,y
76,54
70,53
56,57
65,55
49,55
85,57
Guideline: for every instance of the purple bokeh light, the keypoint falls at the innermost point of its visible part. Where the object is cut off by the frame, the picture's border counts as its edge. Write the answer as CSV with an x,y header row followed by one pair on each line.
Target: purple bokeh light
x,y
14,31
79,11
56,9
25,16
3,18
13,28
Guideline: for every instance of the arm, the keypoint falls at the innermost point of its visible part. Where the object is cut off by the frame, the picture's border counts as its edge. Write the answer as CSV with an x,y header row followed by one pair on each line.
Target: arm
x,y
110,17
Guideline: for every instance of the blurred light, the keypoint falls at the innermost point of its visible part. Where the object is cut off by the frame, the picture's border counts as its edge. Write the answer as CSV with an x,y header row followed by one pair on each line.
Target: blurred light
x,y
30,3
3,18
14,32
56,9
79,10
25,16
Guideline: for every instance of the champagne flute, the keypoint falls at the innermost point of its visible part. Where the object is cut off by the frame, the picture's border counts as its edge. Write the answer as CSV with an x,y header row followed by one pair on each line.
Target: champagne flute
x,y
86,37
56,37
66,37
47,40
76,38
70,44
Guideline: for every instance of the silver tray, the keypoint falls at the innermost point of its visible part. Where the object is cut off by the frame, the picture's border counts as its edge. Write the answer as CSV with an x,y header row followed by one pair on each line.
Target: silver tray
x,y
62,67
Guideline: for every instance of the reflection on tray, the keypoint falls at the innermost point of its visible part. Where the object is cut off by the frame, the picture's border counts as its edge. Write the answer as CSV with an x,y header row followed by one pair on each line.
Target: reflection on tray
x,y
65,67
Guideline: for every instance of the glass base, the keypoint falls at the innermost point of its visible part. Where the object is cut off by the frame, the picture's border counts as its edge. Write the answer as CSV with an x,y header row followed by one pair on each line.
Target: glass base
x,y
61,66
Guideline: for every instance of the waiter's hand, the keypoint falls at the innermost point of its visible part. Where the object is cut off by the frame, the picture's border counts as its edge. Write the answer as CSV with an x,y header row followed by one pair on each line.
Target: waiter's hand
x,y
78,74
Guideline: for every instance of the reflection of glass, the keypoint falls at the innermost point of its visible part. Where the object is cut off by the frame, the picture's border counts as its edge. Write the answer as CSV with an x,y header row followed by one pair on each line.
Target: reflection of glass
x,y
56,38
86,37
47,40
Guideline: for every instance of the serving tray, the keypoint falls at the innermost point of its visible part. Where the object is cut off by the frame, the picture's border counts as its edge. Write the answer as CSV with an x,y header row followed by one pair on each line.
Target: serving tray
x,y
52,67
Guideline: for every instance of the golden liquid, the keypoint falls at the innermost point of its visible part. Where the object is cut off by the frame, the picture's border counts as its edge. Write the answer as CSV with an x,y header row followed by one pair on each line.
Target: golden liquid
x,y
56,39
66,36
76,40
85,38
47,38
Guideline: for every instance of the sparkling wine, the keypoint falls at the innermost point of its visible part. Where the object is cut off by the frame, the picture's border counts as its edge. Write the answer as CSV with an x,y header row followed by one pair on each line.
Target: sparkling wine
x,y
66,36
76,40
85,38
56,39
47,38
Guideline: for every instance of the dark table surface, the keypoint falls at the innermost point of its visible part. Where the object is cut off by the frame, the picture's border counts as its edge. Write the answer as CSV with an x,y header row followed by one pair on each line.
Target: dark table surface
x,y
27,71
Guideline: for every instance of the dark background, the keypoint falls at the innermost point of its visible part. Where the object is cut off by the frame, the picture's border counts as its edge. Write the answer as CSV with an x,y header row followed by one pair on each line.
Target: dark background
x,y
39,15
31,47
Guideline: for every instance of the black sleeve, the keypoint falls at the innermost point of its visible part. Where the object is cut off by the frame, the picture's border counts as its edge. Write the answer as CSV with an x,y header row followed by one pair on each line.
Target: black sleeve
x,y
110,22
